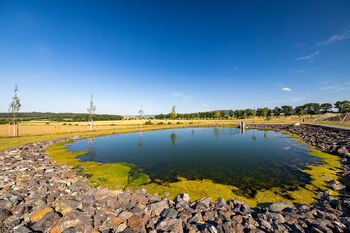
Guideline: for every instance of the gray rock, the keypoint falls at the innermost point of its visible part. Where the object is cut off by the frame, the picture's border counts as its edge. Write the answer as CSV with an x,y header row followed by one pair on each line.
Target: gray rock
x,y
220,204
4,214
279,206
158,207
169,213
46,222
21,229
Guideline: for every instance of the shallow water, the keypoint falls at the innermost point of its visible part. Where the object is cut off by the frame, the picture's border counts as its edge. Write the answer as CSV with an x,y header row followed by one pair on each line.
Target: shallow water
x,y
252,160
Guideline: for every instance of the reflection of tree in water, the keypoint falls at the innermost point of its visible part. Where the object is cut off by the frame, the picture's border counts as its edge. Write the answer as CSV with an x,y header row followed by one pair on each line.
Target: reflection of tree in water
x,y
254,137
192,131
217,133
140,141
91,152
173,139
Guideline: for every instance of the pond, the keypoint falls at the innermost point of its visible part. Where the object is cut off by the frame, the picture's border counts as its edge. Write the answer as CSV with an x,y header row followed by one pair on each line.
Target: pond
x,y
250,160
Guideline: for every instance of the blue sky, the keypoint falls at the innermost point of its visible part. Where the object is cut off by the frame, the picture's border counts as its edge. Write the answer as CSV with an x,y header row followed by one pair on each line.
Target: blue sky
x,y
198,55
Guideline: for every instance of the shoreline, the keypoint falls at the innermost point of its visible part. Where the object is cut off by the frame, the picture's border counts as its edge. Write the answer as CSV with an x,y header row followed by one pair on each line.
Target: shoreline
x,y
39,195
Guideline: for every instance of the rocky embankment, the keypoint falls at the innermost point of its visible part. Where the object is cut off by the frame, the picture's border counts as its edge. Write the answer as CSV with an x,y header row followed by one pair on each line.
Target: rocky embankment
x,y
39,196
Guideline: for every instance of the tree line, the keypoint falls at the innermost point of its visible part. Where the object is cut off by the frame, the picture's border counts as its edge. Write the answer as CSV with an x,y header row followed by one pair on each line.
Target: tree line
x,y
285,110
60,117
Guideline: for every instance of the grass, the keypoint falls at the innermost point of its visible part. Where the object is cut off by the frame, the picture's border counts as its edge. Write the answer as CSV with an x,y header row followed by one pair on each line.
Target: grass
x,y
8,142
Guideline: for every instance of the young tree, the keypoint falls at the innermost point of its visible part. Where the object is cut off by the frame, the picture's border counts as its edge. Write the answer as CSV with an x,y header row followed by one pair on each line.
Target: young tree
x,y
173,113
141,113
14,107
287,110
91,110
326,107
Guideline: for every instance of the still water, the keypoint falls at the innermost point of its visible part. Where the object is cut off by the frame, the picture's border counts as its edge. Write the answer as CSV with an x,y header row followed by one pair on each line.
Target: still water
x,y
250,160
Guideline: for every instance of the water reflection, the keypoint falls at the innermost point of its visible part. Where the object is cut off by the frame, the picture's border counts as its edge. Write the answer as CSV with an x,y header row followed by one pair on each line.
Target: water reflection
x,y
173,139
217,133
91,152
140,140
254,137
242,129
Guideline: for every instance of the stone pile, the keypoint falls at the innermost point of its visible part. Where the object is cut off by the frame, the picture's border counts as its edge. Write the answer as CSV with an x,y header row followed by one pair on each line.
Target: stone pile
x,y
37,195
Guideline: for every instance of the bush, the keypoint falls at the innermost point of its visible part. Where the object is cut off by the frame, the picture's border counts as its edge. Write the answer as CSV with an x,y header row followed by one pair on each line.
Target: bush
x,y
268,118
64,124
169,123
161,123
47,123
178,123
149,122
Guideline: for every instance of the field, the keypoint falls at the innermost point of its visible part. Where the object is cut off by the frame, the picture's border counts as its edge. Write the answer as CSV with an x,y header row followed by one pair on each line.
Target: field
x,y
31,131
46,127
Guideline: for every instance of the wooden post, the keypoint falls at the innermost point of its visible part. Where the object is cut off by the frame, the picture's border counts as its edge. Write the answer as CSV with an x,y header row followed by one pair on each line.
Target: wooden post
x,y
17,129
9,128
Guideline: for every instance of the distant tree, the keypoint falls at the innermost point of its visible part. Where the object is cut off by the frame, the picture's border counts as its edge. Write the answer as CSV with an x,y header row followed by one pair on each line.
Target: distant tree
x,y
222,114
287,110
173,113
343,106
141,114
217,114
299,110
14,107
312,108
249,112
276,111
326,107
230,113
91,111
262,112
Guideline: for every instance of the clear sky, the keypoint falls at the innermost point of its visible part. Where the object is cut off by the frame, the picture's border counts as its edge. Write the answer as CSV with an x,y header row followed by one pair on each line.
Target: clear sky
x,y
197,55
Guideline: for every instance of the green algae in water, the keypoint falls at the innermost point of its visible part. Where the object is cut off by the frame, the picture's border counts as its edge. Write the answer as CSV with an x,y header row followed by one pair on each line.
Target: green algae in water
x,y
257,166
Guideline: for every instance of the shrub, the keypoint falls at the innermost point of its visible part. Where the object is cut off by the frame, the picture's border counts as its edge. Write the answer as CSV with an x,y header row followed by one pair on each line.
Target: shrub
x,y
64,124
149,122
178,122
47,123
169,123
268,118
161,123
